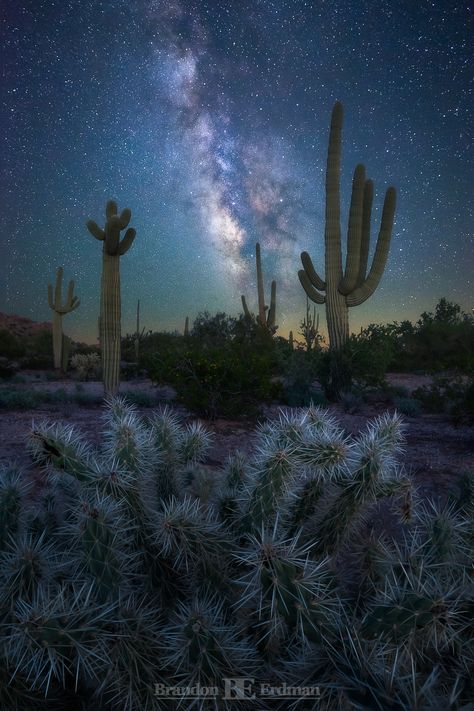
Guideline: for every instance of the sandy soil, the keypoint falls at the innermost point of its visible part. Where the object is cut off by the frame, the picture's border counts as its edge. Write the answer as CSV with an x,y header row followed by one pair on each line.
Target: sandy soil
x,y
436,451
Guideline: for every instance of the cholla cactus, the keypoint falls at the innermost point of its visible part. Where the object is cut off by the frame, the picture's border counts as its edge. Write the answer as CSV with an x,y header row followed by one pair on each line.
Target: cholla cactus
x,y
130,570
87,365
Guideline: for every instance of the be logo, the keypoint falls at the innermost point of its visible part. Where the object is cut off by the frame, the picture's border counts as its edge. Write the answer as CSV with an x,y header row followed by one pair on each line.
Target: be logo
x,y
239,688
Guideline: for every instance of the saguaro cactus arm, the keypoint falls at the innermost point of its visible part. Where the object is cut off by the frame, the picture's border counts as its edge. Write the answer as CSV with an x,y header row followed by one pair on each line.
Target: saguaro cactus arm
x,y
272,310
354,234
111,234
310,279
71,303
245,308
260,292
365,235
367,288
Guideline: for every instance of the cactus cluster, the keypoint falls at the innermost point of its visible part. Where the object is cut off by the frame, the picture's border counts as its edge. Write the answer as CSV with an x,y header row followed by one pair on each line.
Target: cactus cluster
x,y
136,566
61,342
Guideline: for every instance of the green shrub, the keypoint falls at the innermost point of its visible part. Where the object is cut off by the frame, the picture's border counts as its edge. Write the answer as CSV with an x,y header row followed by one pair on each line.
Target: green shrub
x,y
11,347
300,370
408,406
14,399
450,394
229,381
140,398
225,368
352,401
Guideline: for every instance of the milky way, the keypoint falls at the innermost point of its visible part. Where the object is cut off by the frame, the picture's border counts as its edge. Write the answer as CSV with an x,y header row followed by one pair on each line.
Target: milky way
x,y
210,121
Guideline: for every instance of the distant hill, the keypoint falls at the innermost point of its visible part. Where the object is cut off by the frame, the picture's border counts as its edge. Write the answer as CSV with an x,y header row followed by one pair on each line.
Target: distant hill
x,y
22,326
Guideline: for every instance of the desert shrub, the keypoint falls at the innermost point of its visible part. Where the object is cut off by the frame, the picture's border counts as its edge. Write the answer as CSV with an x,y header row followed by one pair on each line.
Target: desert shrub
x,y
362,363
408,406
133,567
451,394
8,368
19,399
11,346
299,372
140,398
86,399
159,347
38,350
369,354
462,409
441,340
352,401
227,381
87,366
226,367
213,330
398,391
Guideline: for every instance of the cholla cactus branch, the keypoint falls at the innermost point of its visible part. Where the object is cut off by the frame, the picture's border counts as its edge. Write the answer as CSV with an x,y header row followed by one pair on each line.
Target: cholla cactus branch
x,y
129,569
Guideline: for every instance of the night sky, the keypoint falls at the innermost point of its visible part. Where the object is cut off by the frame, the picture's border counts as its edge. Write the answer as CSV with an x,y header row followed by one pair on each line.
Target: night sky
x,y
210,121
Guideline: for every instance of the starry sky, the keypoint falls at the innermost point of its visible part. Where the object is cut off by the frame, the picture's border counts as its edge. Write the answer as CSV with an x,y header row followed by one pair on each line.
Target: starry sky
x,y
210,120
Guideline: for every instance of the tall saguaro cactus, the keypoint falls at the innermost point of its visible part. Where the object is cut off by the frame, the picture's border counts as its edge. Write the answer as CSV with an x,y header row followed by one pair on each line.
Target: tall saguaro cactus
x,y
60,341
353,286
266,321
110,308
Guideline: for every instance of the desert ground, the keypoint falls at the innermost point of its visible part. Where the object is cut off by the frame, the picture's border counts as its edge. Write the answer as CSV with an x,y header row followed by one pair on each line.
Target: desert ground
x,y
436,451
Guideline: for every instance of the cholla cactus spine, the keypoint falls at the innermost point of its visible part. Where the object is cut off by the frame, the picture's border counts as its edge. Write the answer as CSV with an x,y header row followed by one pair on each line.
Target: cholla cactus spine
x,y
132,584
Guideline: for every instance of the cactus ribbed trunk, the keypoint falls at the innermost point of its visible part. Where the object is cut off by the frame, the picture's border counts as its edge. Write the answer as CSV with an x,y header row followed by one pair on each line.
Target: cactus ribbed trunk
x,y
336,308
110,322
260,292
57,339
337,315
110,308
61,343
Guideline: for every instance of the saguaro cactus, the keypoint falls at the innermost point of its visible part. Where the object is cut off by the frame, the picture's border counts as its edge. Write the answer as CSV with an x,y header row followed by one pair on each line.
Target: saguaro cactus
x,y
110,308
354,286
266,321
60,341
